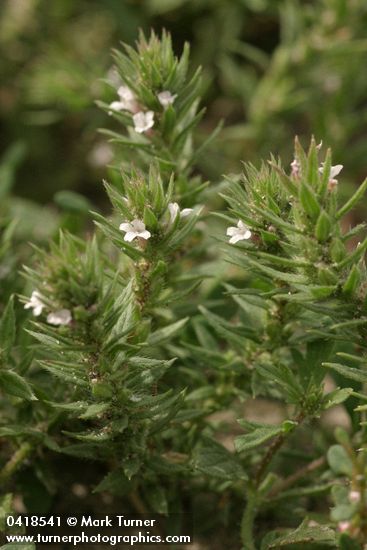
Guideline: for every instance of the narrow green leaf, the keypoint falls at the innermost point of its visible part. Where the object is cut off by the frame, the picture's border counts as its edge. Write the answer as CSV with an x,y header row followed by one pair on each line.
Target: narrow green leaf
x,y
256,437
353,200
162,335
323,227
348,372
336,397
309,201
13,384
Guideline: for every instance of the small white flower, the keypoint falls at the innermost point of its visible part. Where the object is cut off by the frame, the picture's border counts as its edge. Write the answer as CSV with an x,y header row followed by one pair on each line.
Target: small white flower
x,y
296,167
239,233
354,496
127,101
35,303
114,77
134,229
143,121
128,98
343,526
125,94
174,210
166,98
334,171
116,106
60,317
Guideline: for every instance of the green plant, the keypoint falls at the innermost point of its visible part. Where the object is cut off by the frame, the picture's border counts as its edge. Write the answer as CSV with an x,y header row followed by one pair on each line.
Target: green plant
x,y
149,334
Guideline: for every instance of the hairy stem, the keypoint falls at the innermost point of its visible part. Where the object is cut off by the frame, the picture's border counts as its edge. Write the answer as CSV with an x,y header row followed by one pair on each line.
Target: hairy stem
x,y
15,462
247,523
250,512
272,450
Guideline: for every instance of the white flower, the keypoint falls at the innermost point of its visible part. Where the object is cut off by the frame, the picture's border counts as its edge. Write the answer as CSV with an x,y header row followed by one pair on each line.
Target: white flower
x,y
143,121
60,317
343,526
334,171
134,229
125,94
116,106
239,233
354,496
166,98
35,303
174,210
296,167
114,77
128,98
127,101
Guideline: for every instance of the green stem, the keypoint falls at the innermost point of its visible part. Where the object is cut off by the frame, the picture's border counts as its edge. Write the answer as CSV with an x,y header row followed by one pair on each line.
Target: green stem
x,y
14,462
272,450
247,523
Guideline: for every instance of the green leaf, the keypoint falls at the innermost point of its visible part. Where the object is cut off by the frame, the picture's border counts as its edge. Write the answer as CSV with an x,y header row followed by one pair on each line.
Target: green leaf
x,y
162,335
7,328
343,512
116,482
13,384
349,372
336,397
306,534
323,227
94,410
339,460
353,200
156,498
352,282
256,437
72,202
309,201
212,459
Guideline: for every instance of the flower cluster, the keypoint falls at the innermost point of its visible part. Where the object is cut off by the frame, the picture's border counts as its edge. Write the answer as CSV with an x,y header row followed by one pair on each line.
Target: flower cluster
x,y
57,318
136,229
143,120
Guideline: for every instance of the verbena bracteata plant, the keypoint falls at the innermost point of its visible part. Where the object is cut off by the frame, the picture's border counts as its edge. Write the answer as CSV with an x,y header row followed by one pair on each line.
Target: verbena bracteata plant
x,y
116,373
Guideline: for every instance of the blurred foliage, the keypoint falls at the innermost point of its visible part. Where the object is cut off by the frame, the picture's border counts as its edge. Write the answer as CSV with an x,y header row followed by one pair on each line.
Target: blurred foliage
x,y
272,69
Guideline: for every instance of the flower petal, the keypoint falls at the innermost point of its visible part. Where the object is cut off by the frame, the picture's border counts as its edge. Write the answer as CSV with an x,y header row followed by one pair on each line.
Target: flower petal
x,y
165,98
186,212
60,317
125,226
130,236
138,225
236,238
145,235
335,170
173,210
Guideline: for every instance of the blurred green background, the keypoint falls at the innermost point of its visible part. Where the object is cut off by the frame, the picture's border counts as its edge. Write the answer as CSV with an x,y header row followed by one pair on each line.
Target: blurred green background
x,y
272,69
